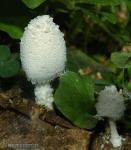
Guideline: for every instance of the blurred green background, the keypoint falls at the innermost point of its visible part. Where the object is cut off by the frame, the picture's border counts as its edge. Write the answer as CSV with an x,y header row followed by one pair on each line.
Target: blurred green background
x,y
97,34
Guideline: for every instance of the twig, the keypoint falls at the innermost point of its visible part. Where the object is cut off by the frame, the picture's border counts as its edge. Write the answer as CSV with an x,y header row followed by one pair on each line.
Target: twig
x,y
33,111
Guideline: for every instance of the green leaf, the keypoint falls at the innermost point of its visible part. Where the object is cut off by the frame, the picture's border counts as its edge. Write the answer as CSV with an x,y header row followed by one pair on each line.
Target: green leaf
x,y
14,25
101,2
109,17
129,72
121,59
14,31
129,85
33,3
9,68
4,52
75,99
122,36
77,59
128,3
69,4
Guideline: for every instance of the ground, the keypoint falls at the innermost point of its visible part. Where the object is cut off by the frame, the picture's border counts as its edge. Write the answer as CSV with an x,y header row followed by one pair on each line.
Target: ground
x,y
23,122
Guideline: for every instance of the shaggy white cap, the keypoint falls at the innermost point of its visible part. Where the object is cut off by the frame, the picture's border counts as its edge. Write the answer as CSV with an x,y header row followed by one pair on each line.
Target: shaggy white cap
x,y
110,103
44,96
42,50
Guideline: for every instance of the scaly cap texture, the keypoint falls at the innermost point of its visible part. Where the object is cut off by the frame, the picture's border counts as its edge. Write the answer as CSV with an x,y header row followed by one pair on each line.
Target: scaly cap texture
x,y
110,103
42,50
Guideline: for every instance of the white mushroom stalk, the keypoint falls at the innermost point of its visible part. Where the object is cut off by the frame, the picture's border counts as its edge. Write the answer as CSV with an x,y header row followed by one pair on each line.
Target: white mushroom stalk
x,y
111,105
43,56
115,139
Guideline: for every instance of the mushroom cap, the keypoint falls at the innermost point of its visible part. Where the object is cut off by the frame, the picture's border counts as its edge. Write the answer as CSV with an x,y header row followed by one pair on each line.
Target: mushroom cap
x,y
42,50
110,103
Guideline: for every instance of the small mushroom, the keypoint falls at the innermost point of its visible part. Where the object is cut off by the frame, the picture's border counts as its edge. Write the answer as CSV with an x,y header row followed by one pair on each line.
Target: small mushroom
x,y
111,105
43,56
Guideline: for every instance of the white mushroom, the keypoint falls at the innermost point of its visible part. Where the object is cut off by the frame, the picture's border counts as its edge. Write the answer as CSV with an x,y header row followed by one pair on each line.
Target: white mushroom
x,y
111,105
43,56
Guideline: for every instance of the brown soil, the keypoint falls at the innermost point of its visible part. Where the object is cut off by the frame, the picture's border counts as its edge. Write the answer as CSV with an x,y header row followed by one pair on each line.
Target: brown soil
x,y
20,125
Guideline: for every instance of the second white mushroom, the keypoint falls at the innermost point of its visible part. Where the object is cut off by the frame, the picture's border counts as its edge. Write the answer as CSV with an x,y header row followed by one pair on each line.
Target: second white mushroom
x,y
111,105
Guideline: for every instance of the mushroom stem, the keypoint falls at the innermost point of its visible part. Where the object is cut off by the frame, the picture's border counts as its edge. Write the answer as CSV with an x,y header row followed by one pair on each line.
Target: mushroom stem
x,y
44,95
115,139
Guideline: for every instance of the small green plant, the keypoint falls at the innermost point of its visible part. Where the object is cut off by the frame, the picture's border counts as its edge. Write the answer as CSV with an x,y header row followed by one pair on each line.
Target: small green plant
x,y
9,65
121,59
